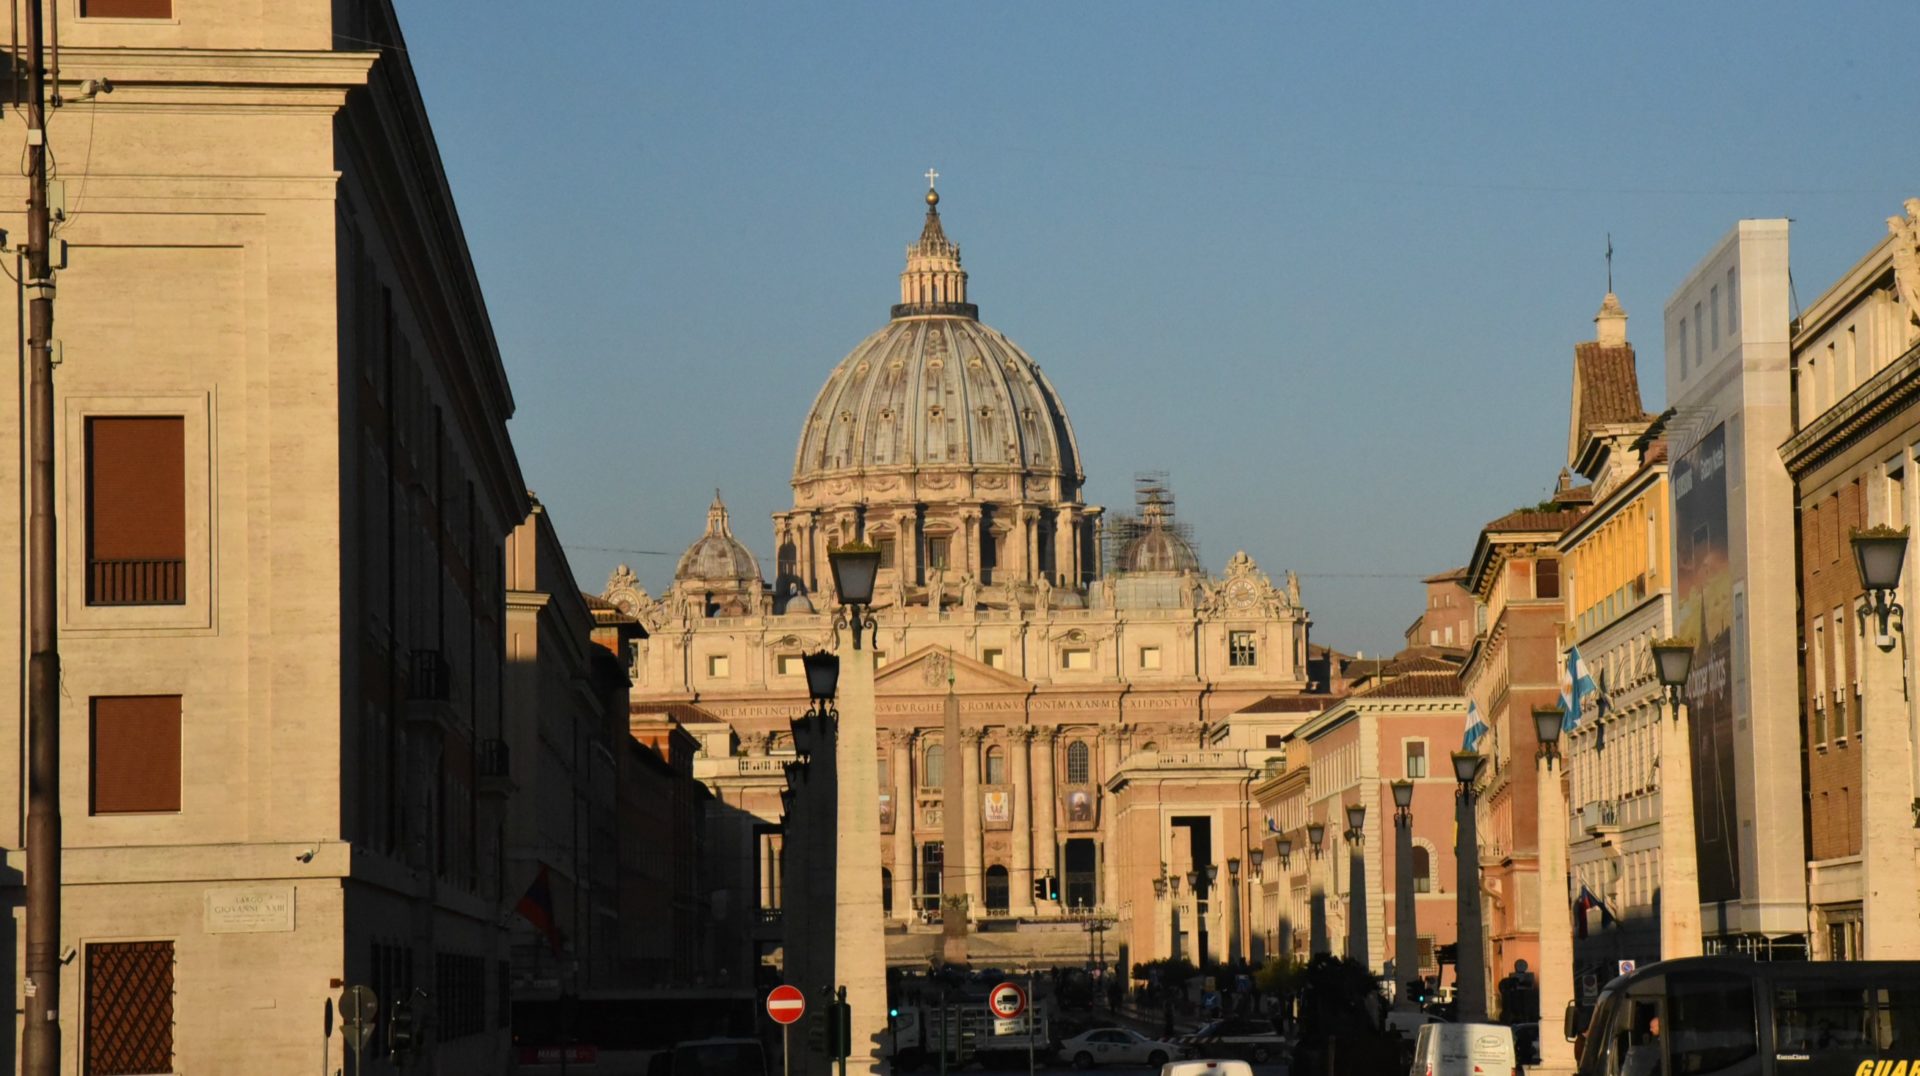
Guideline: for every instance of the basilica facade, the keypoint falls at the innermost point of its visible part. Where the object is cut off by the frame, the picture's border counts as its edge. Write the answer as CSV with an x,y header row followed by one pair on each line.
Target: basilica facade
x,y
1096,664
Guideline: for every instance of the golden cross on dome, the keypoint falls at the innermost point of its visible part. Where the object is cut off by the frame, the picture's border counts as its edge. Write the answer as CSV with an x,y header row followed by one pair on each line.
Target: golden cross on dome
x,y
931,176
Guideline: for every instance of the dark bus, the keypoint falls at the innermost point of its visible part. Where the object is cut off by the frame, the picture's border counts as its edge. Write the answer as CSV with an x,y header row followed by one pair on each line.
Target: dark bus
x,y
1733,1016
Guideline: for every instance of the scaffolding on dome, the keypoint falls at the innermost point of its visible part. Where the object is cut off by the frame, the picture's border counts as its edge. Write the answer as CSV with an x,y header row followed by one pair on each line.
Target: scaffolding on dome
x,y
1153,510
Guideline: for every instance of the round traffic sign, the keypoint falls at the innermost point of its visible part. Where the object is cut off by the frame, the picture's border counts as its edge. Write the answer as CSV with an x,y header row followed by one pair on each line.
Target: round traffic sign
x,y
786,1004
1007,1001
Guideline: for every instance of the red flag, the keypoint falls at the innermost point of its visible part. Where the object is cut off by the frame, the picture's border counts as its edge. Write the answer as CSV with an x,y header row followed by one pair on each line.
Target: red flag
x,y
536,907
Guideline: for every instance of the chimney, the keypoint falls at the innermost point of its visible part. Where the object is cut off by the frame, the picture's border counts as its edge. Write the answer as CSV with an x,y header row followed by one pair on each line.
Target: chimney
x,y
1610,324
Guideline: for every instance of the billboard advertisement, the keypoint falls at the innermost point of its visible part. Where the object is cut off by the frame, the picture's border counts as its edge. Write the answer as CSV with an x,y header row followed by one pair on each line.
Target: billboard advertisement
x,y
1704,612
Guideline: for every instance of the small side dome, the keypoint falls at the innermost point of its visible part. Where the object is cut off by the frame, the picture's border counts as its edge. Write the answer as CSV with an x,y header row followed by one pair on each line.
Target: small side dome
x,y
717,555
1156,544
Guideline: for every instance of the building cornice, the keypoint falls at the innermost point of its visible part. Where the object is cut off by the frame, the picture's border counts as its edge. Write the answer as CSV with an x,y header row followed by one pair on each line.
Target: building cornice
x,y
1865,409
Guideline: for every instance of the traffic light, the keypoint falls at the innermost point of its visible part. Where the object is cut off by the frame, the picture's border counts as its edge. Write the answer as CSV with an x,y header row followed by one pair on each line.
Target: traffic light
x,y
1448,953
839,1026
400,1032
1053,889
1040,888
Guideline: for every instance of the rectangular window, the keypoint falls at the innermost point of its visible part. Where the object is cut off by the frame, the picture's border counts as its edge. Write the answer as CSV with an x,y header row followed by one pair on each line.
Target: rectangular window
x,y
1241,651
1546,578
1276,740
1416,759
1078,659
994,658
1149,657
1733,302
129,998
1819,661
136,505
888,551
1713,302
126,9
938,549
718,666
134,754
1699,331
1683,347
789,665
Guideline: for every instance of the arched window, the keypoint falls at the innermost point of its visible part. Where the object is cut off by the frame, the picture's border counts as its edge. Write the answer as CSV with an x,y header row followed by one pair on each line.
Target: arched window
x,y
936,761
886,890
1077,763
996,890
1422,870
996,765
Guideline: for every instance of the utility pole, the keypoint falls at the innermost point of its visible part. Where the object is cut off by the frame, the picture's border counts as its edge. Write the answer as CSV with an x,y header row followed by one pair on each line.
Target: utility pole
x,y
40,1055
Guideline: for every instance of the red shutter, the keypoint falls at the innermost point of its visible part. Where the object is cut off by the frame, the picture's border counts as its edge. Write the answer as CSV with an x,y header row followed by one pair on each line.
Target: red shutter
x,y
135,754
126,9
136,510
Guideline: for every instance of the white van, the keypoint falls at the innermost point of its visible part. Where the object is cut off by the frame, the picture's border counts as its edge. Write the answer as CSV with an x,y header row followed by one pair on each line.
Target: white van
x,y
1206,1068
1464,1050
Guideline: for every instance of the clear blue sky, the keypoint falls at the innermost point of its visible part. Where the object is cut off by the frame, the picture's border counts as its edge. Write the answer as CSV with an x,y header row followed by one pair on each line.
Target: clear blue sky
x,y
1325,264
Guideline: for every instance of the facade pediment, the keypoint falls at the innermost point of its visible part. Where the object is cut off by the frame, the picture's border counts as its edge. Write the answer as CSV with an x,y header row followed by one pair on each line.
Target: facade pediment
x,y
925,670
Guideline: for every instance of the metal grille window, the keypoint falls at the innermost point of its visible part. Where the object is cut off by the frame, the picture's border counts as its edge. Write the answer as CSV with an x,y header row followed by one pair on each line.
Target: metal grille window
x,y
1241,651
1077,762
996,766
136,510
461,1002
129,1017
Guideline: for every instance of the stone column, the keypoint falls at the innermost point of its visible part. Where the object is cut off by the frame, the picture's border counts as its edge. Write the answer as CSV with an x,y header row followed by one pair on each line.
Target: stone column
x,y
1406,926
1020,878
1065,549
970,545
976,870
1470,974
1110,840
1679,874
1890,906
1045,850
1030,519
1555,974
904,868
1357,900
859,939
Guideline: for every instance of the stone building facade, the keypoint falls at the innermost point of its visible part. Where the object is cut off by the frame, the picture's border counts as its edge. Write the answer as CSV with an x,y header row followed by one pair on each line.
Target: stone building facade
x,y
285,487
1852,458
940,441
1617,580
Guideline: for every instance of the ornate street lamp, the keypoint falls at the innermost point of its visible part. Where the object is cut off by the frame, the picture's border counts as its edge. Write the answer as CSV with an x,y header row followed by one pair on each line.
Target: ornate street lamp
x,y
1356,821
1213,874
1406,941
823,678
1879,554
1159,889
1470,974
1255,858
1283,846
1315,831
1547,724
1673,660
855,566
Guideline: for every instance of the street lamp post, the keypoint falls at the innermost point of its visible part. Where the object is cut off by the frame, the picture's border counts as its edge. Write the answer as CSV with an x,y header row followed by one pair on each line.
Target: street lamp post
x,y
1316,895
1556,918
1406,939
1199,921
1212,911
1679,873
1890,908
1357,883
1283,847
1233,911
1160,900
858,940
1470,971
1256,885
1173,924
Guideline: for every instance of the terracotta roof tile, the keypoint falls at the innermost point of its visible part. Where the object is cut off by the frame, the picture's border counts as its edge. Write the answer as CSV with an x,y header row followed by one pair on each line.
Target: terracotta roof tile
x,y
1424,684
1290,704
1609,385
1527,519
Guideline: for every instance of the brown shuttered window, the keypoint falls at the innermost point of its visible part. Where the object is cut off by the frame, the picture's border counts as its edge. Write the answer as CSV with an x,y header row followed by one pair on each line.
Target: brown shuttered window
x,y
126,9
129,1008
135,754
136,510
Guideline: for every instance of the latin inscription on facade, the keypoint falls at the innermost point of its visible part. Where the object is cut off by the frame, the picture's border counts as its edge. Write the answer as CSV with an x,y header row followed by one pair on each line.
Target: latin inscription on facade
x,y
249,911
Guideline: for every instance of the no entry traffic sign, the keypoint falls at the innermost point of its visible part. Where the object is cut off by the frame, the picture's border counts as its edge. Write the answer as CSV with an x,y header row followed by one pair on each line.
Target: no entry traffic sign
x,y
786,1004
1006,1001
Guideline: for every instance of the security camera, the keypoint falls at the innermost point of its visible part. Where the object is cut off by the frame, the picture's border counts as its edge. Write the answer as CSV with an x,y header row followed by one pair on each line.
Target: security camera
x,y
93,87
67,957
306,856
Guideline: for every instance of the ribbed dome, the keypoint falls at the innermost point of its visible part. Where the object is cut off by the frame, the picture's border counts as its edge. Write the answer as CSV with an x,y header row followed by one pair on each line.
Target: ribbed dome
x,y
717,555
937,391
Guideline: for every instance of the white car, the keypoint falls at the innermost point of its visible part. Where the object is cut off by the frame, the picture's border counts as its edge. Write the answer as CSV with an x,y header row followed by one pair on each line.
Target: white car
x,y
1116,1046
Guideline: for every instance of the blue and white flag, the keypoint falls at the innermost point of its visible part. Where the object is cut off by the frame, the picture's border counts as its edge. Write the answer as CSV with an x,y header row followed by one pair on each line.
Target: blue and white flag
x,y
1575,684
1476,728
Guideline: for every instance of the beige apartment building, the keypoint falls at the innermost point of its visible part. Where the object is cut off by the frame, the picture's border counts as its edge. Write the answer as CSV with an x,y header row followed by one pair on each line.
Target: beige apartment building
x,y
1852,456
285,482
1086,653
